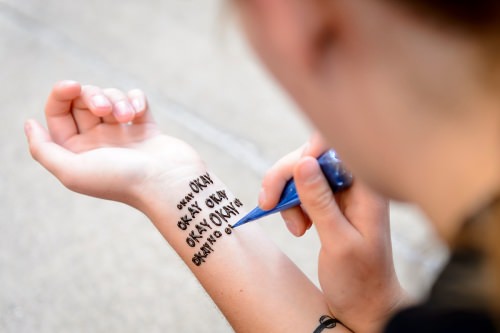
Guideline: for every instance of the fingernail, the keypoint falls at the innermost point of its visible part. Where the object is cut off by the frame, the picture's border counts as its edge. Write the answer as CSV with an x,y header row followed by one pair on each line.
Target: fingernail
x,y
138,104
262,197
66,83
123,108
308,170
305,150
27,129
99,101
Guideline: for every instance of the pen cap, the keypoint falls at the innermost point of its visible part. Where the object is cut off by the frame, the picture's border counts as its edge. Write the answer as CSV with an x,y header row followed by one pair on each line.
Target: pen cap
x,y
333,169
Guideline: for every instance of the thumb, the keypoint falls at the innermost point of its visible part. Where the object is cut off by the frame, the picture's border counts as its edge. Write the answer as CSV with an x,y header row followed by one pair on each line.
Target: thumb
x,y
319,202
45,151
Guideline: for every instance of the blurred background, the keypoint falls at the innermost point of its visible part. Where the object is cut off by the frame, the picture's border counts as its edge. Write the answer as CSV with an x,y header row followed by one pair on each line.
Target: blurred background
x,y
70,263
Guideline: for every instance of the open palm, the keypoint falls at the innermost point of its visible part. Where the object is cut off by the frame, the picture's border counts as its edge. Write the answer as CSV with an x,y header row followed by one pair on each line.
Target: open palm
x,y
106,144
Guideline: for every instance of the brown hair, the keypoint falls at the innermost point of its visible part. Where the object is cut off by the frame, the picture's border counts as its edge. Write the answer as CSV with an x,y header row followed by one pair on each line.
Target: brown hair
x,y
478,17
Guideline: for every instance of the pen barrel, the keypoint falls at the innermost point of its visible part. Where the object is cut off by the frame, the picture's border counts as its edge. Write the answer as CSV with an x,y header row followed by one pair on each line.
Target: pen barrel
x,y
337,175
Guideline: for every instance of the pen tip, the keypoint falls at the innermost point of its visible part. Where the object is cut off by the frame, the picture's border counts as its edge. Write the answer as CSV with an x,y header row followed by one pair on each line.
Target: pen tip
x,y
253,215
240,222
237,224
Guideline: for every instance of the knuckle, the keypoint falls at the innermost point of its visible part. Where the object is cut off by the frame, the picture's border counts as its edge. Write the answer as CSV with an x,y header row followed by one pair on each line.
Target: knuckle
x,y
114,94
136,93
57,86
112,91
268,178
90,89
319,199
274,180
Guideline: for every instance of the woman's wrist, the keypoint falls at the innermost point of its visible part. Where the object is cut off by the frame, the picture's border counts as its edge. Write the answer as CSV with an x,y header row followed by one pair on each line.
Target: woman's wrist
x,y
160,190
399,300
197,208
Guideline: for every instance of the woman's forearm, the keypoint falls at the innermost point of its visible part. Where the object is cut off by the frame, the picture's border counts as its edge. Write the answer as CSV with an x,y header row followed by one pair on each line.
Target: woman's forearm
x,y
252,282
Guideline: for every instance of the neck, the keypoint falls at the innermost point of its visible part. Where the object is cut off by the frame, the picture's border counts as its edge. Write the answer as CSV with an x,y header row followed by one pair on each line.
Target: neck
x,y
470,176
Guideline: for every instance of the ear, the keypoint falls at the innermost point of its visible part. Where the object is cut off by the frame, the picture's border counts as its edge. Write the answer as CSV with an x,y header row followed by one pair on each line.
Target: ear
x,y
292,33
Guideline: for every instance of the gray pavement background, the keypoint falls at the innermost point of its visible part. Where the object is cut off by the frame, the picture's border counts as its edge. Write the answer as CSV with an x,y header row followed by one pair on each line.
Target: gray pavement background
x,y
70,263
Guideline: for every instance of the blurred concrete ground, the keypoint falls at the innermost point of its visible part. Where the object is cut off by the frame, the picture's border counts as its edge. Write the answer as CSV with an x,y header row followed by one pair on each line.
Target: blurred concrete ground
x,y
70,263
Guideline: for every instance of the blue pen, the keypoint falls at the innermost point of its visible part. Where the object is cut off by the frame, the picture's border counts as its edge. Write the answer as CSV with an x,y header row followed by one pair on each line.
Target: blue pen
x,y
338,178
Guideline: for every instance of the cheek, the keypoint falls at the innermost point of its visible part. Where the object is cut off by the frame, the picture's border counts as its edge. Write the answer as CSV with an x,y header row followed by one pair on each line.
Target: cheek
x,y
360,120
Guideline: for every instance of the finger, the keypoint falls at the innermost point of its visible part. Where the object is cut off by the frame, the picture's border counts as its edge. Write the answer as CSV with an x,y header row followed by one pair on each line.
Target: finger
x,y
315,146
60,120
317,199
48,153
296,221
123,111
93,99
85,120
138,100
89,108
370,209
275,179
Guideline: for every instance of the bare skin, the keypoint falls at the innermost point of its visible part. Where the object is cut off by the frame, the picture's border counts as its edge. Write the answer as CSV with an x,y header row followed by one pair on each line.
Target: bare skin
x,y
94,152
404,103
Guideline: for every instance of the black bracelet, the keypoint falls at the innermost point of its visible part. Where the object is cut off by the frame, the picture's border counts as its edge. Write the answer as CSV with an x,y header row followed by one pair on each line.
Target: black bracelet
x,y
326,322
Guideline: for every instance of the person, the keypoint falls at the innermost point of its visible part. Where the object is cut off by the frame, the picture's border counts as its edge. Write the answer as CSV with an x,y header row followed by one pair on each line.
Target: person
x,y
405,91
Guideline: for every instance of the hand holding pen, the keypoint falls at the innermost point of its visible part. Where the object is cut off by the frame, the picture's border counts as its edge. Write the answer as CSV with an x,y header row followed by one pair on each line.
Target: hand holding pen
x,y
355,258
337,176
